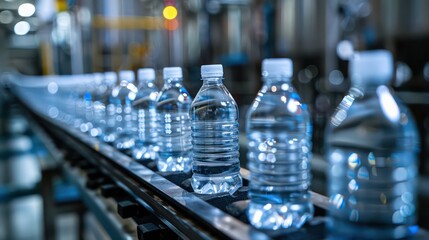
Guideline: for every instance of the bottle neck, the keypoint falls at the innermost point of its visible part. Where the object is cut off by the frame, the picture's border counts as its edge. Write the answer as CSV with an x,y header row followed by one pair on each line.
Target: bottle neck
x,y
368,87
173,81
282,82
366,90
277,80
146,84
124,83
110,85
213,81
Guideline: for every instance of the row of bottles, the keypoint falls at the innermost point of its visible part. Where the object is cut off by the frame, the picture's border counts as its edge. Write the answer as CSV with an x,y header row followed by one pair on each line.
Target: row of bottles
x,y
371,142
165,125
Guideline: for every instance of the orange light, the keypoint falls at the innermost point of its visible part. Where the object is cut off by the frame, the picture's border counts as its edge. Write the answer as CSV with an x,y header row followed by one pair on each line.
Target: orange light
x,y
171,25
169,12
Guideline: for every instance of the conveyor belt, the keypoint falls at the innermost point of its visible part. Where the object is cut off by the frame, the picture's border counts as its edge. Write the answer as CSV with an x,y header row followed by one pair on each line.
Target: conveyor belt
x,y
168,196
187,214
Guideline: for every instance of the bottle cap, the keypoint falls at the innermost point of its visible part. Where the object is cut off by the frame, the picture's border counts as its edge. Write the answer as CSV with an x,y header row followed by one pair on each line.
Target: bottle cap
x,y
110,78
212,70
146,74
172,72
375,67
126,75
277,67
98,78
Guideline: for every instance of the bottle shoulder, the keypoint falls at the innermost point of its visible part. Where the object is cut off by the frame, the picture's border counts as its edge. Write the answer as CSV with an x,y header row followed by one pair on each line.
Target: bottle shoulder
x,y
146,89
278,104
214,94
177,93
150,93
145,100
173,99
214,103
374,120
124,93
374,108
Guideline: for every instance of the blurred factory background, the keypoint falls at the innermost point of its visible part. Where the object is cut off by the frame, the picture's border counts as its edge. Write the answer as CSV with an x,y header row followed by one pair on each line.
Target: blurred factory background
x,y
47,37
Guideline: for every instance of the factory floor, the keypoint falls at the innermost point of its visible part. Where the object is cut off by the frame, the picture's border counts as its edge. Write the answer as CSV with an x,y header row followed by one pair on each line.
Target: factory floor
x,y
21,206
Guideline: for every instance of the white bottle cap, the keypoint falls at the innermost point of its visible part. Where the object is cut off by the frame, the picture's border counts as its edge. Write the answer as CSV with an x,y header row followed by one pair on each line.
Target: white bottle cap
x,y
172,72
277,67
98,78
373,67
212,70
110,78
146,74
126,75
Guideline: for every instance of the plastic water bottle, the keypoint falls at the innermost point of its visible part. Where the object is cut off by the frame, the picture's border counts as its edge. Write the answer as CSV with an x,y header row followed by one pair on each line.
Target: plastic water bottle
x,y
87,116
279,132
97,93
81,97
123,97
173,124
145,107
107,109
372,148
105,83
214,116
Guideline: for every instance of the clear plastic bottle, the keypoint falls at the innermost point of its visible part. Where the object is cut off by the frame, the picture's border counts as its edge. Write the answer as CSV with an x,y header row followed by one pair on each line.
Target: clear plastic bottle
x,y
214,116
105,83
71,95
145,108
107,109
278,129
87,116
372,147
81,96
98,79
123,97
173,124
